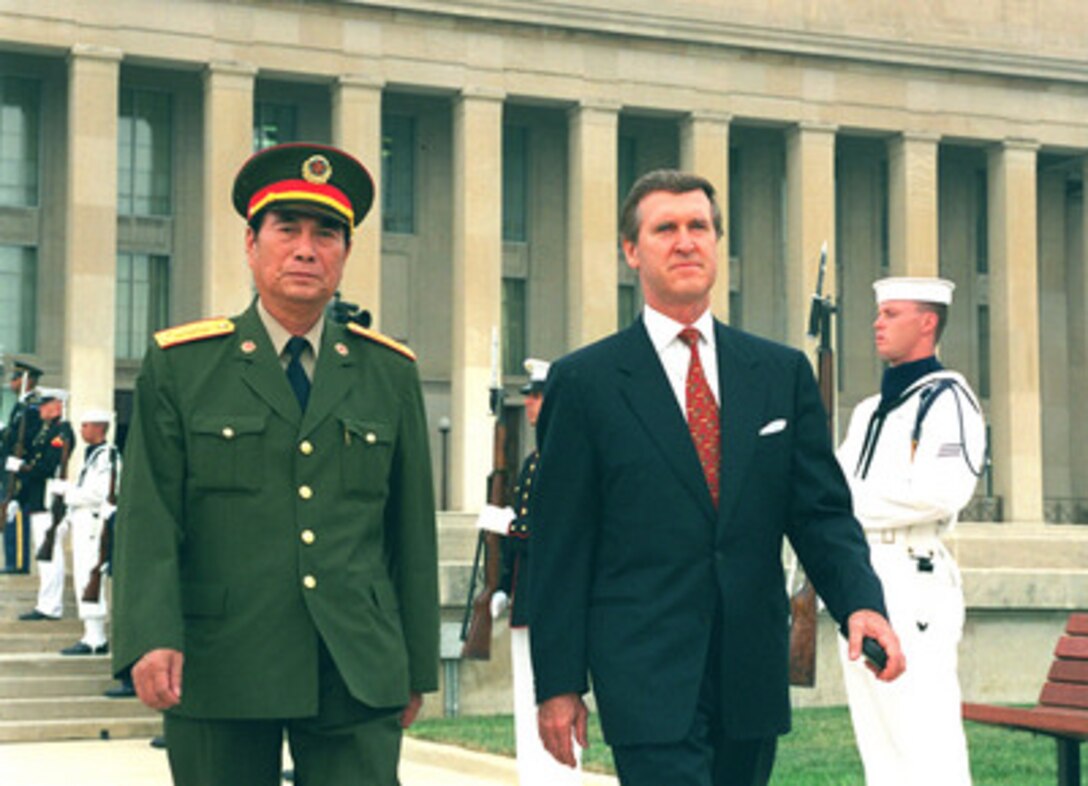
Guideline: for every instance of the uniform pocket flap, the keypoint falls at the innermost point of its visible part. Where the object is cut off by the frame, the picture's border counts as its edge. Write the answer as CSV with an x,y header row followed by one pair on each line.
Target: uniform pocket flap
x,y
229,426
370,432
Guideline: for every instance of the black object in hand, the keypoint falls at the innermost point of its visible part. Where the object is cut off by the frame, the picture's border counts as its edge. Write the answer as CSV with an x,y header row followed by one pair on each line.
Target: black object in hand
x,y
874,652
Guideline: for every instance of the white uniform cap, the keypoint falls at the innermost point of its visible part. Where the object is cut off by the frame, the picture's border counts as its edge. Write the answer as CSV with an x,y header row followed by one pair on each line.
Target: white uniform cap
x,y
96,416
921,290
57,393
538,373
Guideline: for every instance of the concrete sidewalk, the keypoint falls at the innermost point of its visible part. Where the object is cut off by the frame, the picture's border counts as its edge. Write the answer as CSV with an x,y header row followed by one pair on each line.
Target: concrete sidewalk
x,y
135,763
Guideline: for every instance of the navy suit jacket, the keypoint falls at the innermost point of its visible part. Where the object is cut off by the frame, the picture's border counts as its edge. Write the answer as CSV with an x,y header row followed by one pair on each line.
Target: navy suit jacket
x,y
631,561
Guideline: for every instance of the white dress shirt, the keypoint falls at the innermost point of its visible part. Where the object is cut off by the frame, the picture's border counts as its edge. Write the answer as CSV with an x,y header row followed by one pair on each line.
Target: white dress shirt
x,y
675,355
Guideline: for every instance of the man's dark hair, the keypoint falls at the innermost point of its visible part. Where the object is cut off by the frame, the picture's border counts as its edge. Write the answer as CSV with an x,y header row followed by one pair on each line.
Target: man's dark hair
x,y
256,221
673,181
941,310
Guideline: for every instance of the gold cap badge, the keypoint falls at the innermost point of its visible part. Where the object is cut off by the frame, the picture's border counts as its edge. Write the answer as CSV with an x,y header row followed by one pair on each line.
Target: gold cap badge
x,y
316,169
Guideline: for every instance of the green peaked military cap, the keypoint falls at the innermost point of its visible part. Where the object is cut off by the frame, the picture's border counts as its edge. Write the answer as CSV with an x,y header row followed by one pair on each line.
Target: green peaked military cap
x,y
304,176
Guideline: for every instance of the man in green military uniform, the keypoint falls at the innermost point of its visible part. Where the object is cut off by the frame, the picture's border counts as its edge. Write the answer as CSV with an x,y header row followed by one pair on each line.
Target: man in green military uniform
x,y
276,558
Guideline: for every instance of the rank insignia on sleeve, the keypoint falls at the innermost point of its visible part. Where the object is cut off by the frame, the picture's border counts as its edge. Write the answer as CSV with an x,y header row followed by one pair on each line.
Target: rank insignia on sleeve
x,y
193,331
381,338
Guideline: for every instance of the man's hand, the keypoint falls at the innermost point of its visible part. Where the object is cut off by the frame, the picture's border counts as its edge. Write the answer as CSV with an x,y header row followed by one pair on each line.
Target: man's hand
x,y
868,623
558,720
408,715
157,678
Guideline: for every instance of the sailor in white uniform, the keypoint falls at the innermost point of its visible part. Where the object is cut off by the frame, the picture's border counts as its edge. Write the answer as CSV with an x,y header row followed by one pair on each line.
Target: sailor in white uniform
x,y
91,503
912,456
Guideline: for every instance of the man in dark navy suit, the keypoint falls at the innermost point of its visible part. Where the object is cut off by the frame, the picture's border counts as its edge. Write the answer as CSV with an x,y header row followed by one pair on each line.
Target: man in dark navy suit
x,y
675,457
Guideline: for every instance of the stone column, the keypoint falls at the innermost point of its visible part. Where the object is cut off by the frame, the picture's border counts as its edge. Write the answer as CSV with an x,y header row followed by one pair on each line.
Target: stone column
x,y
90,230
810,217
357,128
704,150
477,287
912,205
228,142
592,280
1015,406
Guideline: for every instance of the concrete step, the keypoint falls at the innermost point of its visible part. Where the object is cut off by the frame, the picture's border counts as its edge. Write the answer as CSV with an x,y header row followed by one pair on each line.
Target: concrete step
x,y
53,685
51,708
44,643
32,664
82,729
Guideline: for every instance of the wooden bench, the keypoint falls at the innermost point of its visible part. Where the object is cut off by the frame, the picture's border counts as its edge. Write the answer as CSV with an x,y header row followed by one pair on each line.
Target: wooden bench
x,y
1062,710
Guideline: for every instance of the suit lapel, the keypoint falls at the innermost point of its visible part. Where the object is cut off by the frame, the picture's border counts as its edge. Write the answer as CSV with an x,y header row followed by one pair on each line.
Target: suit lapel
x,y
743,399
646,389
332,375
262,371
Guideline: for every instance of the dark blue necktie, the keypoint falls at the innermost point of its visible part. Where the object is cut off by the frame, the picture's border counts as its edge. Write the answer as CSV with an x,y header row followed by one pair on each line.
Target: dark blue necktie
x,y
296,374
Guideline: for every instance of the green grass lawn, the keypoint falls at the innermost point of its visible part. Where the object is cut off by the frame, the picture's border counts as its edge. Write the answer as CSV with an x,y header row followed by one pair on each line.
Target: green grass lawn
x,y
819,752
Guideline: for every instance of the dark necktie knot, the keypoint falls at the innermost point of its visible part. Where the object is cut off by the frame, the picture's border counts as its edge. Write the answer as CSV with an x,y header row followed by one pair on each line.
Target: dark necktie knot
x,y
690,336
296,374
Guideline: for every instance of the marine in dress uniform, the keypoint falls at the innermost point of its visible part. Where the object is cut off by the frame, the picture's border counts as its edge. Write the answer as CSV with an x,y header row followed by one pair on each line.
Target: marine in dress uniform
x,y
536,767
912,456
46,451
276,556
15,439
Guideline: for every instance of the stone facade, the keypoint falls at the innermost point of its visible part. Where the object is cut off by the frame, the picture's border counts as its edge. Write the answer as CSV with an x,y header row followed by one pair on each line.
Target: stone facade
x,y
913,139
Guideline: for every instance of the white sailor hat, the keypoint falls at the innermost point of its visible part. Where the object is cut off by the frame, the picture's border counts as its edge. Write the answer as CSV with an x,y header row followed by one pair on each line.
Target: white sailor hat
x,y
96,416
45,395
538,373
921,290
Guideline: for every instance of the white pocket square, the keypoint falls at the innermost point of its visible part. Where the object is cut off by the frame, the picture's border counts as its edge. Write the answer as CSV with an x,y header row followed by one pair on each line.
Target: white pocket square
x,y
773,427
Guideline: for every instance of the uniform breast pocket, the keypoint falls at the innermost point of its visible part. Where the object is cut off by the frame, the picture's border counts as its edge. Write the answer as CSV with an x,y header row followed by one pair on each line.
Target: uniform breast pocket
x,y
226,452
368,454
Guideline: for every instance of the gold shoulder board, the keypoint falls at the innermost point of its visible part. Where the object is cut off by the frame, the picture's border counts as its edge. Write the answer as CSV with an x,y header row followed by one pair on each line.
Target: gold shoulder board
x,y
380,338
193,331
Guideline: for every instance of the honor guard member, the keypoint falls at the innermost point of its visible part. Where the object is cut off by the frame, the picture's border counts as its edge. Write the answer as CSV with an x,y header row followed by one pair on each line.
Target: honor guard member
x,y
22,424
535,765
912,456
276,558
90,504
46,456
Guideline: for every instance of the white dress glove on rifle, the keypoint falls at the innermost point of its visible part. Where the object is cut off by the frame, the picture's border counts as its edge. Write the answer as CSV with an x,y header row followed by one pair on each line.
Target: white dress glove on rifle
x,y
499,602
495,519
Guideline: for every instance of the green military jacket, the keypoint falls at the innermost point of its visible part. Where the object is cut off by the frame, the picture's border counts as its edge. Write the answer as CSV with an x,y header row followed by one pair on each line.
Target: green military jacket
x,y
247,529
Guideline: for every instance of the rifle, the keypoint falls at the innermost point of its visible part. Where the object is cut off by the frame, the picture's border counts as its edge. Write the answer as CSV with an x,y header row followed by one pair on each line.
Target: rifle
x,y
476,625
12,484
57,508
92,593
803,601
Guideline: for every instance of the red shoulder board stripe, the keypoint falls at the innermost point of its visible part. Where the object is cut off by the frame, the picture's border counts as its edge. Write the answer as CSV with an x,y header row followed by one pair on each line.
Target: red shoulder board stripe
x,y
380,338
193,331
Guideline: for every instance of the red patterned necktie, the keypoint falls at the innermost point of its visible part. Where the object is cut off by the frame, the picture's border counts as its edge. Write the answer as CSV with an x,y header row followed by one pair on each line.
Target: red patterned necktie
x,y
702,414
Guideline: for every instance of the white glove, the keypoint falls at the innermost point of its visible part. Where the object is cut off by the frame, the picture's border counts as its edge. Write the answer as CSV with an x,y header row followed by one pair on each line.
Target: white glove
x,y
495,519
13,464
55,487
499,602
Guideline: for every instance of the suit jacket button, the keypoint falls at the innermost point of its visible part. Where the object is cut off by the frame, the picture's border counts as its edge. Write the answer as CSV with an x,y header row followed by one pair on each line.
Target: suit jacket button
x,y
309,582
306,447
227,432
371,437
305,492
308,536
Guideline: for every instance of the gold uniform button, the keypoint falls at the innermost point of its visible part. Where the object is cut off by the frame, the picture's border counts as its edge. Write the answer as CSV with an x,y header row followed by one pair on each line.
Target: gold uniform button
x,y
308,536
227,432
305,492
306,447
309,582
371,437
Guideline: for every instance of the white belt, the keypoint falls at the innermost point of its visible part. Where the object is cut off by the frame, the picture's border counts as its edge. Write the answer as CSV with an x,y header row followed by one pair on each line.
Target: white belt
x,y
919,534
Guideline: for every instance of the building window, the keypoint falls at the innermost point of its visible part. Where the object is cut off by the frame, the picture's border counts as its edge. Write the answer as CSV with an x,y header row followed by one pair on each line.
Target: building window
x,y
627,304
515,183
274,124
984,351
19,124
982,223
18,295
142,301
398,173
144,161
514,321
